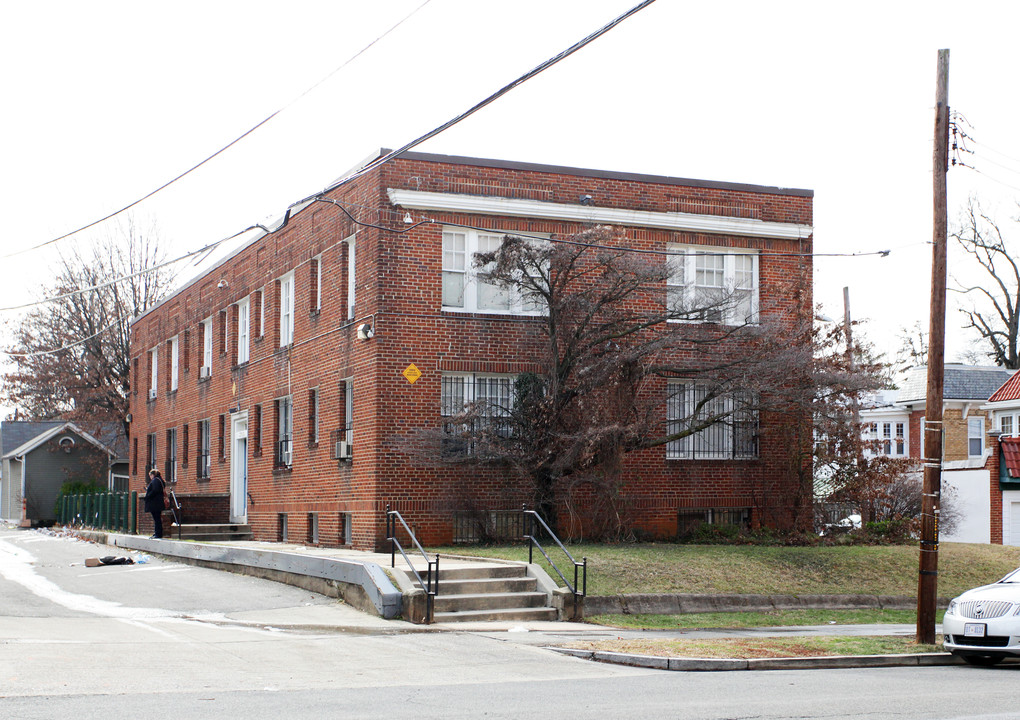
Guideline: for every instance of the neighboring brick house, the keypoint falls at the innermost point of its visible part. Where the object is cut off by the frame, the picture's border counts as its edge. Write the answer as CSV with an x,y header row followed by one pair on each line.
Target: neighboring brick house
x,y
1004,465
899,425
272,387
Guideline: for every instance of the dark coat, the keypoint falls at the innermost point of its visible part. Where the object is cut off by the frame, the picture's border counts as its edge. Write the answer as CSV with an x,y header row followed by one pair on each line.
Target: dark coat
x,y
154,496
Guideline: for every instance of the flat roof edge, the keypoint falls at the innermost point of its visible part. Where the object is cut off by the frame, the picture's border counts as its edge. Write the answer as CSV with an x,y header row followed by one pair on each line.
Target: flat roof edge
x,y
606,174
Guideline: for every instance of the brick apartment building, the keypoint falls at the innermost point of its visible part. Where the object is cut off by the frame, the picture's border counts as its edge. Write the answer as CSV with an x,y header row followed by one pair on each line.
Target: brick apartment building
x,y
272,387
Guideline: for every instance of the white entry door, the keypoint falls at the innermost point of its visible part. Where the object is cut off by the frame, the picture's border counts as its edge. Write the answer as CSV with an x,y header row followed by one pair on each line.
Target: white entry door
x,y
239,467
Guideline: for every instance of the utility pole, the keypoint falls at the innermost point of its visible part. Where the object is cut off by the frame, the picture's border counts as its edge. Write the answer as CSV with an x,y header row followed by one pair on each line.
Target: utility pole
x,y
927,579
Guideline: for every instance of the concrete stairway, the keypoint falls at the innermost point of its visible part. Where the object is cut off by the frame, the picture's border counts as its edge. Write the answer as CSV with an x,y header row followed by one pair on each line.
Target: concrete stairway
x,y
489,593
210,532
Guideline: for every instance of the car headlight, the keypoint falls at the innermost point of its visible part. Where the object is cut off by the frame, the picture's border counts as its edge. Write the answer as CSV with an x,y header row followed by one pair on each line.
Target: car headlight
x,y
951,610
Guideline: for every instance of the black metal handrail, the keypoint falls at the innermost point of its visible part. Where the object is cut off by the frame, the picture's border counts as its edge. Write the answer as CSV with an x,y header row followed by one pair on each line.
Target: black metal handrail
x,y
431,582
531,517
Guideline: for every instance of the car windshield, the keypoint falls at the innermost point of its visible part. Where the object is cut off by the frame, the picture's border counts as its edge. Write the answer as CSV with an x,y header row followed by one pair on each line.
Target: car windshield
x,y
1013,577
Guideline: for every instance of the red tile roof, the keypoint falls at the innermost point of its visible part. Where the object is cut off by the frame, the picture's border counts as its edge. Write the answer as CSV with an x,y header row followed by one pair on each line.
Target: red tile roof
x,y
1011,455
1010,390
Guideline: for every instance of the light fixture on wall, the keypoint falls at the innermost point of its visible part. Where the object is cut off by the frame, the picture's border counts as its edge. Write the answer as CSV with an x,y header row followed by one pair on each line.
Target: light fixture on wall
x,y
365,332
408,220
222,284
586,200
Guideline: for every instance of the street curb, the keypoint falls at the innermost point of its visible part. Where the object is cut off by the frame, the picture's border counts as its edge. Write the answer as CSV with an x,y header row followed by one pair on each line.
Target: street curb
x,y
683,603
794,663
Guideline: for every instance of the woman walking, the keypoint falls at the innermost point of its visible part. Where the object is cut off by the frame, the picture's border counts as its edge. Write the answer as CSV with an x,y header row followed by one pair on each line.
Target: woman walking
x,y
154,504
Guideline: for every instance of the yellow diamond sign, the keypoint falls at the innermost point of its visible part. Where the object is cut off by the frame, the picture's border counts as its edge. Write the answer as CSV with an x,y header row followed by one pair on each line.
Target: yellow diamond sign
x,y
411,373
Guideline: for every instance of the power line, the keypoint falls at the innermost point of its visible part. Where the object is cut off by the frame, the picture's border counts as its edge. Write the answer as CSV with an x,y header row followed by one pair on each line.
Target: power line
x,y
222,149
487,101
65,348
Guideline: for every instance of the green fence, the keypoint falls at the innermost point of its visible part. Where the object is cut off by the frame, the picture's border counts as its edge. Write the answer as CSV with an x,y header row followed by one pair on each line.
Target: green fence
x,y
104,511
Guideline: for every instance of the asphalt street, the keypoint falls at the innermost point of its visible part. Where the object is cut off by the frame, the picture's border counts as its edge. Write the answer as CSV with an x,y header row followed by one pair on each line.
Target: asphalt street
x,y
161,638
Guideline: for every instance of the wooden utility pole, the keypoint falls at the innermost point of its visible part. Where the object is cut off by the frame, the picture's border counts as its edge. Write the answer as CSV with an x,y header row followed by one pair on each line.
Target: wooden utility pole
x,y
927,580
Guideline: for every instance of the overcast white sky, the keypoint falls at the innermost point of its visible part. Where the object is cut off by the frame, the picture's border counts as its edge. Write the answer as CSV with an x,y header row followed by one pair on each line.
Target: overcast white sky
x,y
105,101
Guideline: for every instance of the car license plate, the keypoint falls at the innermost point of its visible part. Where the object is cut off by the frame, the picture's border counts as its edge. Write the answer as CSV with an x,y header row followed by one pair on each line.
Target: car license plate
x,y
974,630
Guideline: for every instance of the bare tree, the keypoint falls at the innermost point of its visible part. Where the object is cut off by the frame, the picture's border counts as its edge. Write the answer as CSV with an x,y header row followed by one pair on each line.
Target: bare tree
x,y
71,354
620,371
995,309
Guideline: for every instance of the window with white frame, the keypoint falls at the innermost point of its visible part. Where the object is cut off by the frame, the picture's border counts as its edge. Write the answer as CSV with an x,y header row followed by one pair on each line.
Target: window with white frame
x,y
175,363
713,284
243,331
1006,425
287,309
490,396
350,276
887,437
733,429
153,372
462,286
975,437
284,432
207,347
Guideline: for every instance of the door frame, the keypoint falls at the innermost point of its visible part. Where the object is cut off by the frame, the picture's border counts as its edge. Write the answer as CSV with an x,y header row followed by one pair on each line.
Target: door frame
x,y
239,467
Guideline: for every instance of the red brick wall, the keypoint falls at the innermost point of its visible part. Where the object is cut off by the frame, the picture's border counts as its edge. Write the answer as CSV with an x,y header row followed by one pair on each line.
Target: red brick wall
x,y
399,293
995,495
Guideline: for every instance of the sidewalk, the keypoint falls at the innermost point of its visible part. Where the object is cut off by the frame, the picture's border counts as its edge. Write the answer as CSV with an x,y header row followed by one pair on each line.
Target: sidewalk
x,y
299,564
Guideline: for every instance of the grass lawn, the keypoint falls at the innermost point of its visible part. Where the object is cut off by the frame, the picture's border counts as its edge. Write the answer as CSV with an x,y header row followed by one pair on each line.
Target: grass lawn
x,y
747,648
733,620
752,569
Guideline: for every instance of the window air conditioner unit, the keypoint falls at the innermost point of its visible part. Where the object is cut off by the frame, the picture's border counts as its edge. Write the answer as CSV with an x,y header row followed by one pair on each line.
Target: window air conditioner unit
x,y
343,450
204,371
152,393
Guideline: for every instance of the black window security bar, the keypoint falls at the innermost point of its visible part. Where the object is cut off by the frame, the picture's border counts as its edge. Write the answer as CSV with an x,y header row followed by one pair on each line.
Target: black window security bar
x,y
431,582
531,521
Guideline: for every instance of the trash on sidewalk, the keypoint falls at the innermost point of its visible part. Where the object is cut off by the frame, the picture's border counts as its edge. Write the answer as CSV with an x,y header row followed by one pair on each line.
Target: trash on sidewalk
x,y
108,560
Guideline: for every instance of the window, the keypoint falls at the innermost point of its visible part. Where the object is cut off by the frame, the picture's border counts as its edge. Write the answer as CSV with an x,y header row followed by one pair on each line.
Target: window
x,y
207,344
343,437
975,437
153,372
901,438
150,458
313,416
185,447
733,434
134,456
222,436
284,432
462,287
174,364
186,352
243,330
713,285
350,277
287,309
1006,425
491,397
170,466
204,441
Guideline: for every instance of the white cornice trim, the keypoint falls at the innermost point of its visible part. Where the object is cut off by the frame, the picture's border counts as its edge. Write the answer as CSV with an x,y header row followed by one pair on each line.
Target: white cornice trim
x,y
689,222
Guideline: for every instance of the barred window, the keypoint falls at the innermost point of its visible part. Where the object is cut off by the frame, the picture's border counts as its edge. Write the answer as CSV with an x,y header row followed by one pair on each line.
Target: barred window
x,y
204,441
491,398
734,435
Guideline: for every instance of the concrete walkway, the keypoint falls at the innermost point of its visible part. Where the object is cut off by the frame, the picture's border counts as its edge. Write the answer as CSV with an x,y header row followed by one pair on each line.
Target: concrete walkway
x,y
320,569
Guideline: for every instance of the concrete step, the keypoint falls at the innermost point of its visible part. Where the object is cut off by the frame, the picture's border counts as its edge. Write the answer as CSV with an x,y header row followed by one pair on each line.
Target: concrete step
x,y
478,586
514,615
489,601
480,571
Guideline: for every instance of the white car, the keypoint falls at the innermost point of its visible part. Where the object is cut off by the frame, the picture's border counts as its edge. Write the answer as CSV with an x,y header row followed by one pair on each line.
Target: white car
x,y
982,626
